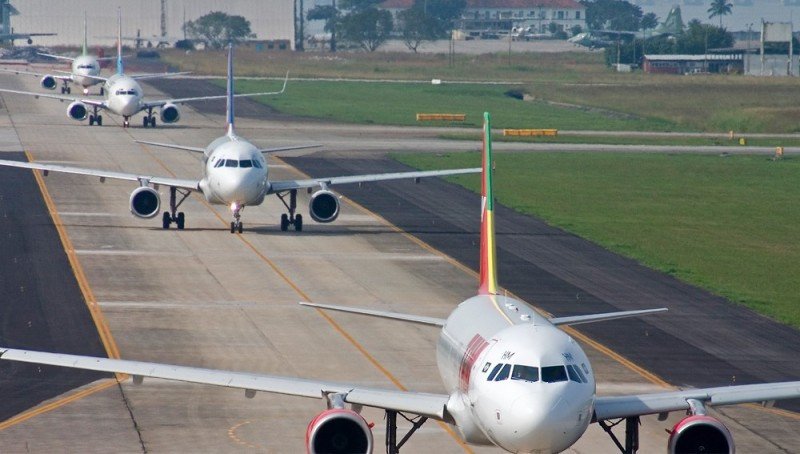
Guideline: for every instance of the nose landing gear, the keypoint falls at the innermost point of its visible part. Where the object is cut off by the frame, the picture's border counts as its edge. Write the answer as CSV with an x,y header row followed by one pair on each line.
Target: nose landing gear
x,y
236,224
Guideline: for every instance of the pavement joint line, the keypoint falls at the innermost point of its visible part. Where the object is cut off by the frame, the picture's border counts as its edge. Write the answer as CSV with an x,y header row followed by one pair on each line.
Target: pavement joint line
x,y
338,328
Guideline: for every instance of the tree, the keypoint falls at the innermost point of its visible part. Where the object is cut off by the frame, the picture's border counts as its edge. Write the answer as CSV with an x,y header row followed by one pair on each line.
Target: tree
x,y
649,21
218,29
612,15
330,15
719,8
700,37
415,27
367,26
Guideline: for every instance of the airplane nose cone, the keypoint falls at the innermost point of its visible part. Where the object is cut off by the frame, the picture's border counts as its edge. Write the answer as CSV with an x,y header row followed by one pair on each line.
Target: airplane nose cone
x,y
535,423
237,186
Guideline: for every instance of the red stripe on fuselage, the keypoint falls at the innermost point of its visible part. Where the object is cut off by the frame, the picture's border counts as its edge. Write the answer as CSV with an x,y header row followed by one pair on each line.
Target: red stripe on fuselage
x,y
471,354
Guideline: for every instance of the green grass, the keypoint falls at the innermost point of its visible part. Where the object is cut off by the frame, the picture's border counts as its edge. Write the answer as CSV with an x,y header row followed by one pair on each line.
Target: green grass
x,y
398,104
725,224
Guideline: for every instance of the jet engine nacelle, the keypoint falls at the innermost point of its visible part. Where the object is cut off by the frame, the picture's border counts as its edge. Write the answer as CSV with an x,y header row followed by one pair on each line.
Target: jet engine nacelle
x,y
170,113
77,111
49,82
324,206
338,430
700,433
145,202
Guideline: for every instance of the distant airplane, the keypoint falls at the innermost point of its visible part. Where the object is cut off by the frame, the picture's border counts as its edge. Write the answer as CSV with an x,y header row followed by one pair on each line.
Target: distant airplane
x,y
85,70
235,175
124,97
7,33
513,379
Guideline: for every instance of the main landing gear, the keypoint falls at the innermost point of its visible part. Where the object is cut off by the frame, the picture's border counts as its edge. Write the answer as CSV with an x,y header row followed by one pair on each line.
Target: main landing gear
x,y
291,218
236,224
66,89
392,446
149,119
102,91
95,118
631,434
173,216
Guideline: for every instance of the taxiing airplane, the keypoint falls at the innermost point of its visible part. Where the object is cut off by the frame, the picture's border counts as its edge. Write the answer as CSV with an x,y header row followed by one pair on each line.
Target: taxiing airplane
x,y
85,70
125,97
235,175
513,378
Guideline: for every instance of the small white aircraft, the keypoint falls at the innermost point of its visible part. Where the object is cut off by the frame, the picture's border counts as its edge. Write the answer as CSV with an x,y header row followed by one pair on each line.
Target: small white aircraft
x,y
513,378
235,175
124,97
85,70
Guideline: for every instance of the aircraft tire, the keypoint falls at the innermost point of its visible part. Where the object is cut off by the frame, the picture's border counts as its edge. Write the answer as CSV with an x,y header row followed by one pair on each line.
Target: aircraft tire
x,y
145,122
181,220
233,227
99,120
241,227
284,222
298,223
152,121
166,220
91,120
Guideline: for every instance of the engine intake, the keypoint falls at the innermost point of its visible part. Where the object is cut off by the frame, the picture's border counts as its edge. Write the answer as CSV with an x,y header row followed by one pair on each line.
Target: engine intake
x,y
324,206
338,430
145,202
77,111
49,82
700,433
169,113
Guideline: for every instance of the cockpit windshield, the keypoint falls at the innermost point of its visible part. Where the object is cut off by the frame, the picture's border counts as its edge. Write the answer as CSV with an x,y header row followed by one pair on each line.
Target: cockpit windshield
x,y
553,374
231,163
85,67
526,373
531,374
245,163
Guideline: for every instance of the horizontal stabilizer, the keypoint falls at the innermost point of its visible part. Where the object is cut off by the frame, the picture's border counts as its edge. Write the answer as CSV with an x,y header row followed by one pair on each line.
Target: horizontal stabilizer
x,y
170,145
578,319
383,314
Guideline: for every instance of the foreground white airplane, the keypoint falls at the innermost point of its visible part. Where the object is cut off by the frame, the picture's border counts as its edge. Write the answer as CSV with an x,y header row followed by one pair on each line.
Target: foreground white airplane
x,y
236,175
513,379
85,70
124,97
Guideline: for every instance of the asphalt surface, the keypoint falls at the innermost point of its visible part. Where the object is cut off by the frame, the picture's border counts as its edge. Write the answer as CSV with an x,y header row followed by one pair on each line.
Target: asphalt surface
x,y
703,340
42,306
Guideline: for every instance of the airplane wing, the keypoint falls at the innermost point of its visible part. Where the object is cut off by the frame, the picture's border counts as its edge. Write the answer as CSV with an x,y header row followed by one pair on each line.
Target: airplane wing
x,y
293,147
423,404
613,407
157,75
193,185
285,185
579,319
66,76
170,145
88,101
161,102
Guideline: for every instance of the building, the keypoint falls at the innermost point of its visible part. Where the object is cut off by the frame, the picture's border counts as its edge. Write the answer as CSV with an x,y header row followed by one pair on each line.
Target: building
x,y
488,18
694,64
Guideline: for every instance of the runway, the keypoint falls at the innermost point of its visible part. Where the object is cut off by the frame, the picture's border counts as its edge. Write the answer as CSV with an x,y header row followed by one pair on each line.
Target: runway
x,y
207,298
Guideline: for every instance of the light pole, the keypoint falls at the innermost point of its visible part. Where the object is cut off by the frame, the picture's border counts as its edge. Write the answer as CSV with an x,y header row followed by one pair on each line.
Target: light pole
x,y
747,51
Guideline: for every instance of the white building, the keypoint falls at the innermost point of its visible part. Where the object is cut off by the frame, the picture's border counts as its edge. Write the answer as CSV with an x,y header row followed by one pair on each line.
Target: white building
x,y
505,15
269,19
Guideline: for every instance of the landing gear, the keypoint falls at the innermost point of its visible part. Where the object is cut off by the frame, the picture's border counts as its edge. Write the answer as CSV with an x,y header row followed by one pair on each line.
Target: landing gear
x,y
392,446
126,122
102,91
236,224
66,89
173,215
631,434
149,119
291,218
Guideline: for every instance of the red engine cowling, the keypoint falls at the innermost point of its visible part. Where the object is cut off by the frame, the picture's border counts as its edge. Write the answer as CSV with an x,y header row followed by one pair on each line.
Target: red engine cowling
x,y
700,434
338,430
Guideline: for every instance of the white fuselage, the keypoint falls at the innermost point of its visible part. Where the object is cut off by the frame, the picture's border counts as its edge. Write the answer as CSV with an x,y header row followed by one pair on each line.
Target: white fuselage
x,y
123,95
235,173
85,65
514,379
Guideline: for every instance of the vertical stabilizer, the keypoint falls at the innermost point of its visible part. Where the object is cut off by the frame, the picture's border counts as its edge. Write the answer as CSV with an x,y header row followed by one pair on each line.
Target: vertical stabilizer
x,y
488,264
229,92
85,40
119,41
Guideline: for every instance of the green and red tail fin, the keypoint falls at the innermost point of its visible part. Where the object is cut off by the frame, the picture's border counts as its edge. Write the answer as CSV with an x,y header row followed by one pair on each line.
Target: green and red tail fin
x,y
488,271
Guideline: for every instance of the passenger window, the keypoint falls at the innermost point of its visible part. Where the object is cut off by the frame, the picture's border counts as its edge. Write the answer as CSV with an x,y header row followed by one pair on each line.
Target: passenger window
x,y
494,372
573,374
245,163
553,374
503,375
526,373
231,163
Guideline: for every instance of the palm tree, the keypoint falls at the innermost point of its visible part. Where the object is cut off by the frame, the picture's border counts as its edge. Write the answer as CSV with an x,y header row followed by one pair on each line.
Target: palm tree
x,y
719,8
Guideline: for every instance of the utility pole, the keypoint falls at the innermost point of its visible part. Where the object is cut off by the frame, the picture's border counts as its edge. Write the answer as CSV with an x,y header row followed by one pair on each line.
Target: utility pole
x,y
300,34
163,19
